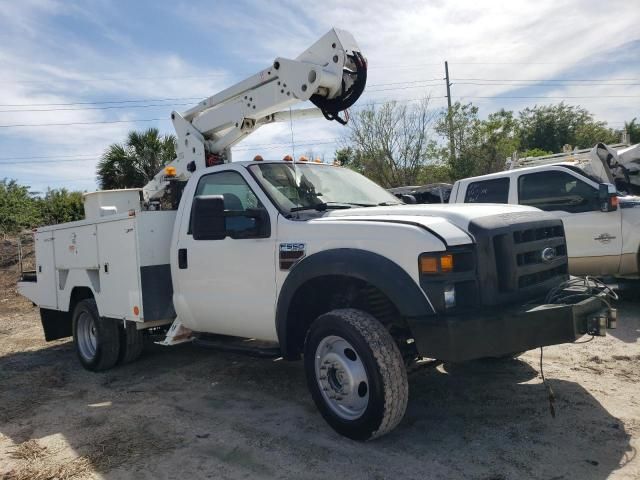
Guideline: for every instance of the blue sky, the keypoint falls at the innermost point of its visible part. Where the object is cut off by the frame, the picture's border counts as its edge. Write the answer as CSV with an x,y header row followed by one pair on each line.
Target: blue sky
x,y
60,59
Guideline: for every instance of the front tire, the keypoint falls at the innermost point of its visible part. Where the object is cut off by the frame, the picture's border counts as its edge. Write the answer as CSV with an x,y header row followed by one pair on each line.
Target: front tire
x,y
356,374
95,339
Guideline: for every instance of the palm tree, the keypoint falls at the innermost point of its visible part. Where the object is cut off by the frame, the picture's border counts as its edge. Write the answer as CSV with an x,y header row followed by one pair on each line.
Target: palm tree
x,y
134,163
633,130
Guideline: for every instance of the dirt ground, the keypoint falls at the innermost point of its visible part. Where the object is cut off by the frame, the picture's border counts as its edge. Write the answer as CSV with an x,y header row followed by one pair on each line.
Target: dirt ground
x,y
184,412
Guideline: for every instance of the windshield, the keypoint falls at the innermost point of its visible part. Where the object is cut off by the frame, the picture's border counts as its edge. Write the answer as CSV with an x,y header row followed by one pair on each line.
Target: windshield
x,y
311,186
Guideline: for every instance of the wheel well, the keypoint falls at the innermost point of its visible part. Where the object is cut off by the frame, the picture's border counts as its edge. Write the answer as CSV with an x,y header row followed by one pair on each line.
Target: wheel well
x,y
323,294
78,294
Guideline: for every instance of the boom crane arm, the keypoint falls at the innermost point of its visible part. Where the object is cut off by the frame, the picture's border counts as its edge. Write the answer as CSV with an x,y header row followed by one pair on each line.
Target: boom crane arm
x,y
332,74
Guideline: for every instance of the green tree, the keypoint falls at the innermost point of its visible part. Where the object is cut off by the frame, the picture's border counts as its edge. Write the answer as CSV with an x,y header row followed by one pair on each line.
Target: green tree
x,y
18,209
633,130
535,152
466,136
61,205
481,146
498,139
550,127
137,161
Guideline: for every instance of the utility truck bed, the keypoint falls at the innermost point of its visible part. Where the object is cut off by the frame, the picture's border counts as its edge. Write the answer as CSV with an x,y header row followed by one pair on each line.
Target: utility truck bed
x,y
124,257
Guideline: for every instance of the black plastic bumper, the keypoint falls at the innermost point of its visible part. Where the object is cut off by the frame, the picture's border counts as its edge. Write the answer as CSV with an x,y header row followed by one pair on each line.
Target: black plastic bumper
x,y
500,331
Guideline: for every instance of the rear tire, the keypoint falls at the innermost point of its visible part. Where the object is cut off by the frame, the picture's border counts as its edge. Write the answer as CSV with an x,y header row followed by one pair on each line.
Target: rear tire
x,y
95,339
356,374
131,343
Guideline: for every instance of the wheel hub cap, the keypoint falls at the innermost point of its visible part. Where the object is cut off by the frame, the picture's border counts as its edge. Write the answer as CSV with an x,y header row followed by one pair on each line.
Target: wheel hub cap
x,y
342,377
87,336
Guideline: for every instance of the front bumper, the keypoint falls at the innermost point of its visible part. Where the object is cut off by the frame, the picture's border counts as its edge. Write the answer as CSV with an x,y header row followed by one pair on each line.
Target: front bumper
x,y
501,331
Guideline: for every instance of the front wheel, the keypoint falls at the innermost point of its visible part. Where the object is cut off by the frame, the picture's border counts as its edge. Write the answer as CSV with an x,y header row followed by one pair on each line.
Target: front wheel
x,y
356,374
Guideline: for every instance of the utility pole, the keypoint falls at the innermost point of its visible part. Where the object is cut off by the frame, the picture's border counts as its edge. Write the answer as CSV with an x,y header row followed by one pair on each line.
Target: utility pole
x,y
452,148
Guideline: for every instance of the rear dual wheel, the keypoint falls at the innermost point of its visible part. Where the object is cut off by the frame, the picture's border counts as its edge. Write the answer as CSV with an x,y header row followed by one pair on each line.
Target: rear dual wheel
x,y
101,343
356,374
96,339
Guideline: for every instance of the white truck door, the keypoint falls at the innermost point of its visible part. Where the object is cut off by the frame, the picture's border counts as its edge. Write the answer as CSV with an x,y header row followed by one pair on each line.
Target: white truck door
x,y
594,238
227,286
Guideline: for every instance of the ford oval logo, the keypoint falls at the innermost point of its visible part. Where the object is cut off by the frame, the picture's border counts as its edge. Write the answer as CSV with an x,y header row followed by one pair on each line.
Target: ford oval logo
x,y
548,254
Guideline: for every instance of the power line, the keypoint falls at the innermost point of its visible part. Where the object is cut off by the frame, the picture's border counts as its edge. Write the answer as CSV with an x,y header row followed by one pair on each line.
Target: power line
x,y
532,63
406,87
47,156
112,107
172,99
548,84
119,79
101,102
82,123
563,97
550,79
104,122
497,97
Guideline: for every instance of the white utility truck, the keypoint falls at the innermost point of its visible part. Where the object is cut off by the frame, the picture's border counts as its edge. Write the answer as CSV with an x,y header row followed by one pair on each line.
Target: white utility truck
x,y
303,259
602,225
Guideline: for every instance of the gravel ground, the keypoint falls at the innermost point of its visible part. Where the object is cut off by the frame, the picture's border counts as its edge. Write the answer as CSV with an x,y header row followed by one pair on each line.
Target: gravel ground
x,y
184,412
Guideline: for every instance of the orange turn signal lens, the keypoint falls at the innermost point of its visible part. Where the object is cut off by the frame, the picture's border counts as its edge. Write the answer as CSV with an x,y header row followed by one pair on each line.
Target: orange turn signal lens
x,y
446,263
431,264
428,264
170,171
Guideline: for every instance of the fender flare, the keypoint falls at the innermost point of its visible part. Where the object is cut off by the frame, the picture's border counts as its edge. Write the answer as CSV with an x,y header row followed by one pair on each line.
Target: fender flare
x,y
379,271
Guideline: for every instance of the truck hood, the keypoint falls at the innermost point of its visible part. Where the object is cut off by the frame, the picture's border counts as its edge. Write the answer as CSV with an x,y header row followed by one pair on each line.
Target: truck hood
x,y
451,222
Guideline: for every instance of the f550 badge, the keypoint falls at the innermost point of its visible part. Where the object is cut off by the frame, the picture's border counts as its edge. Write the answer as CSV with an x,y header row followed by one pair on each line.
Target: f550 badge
x,y
290,253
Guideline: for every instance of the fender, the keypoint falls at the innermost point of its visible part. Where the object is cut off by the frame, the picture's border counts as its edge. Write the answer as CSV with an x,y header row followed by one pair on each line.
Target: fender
x,y
379,271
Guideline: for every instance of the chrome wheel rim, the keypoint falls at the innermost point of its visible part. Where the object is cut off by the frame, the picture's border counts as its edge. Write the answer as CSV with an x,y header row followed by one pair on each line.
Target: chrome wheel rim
x,y
87,336
341,377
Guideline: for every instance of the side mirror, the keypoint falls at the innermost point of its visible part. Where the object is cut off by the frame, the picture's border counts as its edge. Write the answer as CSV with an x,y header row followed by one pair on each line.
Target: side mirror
x,y
607,197
409,199
208,218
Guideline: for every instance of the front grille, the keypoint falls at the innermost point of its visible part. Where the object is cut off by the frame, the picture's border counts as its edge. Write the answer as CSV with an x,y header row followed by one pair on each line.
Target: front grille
x,y
531,279
542,233
534,256
520,255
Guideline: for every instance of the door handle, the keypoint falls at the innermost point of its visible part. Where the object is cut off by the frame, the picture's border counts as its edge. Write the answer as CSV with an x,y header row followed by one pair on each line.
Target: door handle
x,y
182,258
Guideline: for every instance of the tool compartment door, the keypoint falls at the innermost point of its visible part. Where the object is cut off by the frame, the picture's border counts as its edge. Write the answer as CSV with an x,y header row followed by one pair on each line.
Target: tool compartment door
x,y
45,271
119,295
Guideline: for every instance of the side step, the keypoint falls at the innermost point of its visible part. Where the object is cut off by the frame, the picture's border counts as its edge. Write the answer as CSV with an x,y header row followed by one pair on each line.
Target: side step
x,y
246,346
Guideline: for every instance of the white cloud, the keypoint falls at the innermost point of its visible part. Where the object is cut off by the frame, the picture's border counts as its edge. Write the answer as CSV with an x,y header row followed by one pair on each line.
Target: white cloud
x,y
405,41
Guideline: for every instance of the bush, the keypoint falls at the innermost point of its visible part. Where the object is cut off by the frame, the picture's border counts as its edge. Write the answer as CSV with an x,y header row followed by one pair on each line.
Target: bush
x,y
20,210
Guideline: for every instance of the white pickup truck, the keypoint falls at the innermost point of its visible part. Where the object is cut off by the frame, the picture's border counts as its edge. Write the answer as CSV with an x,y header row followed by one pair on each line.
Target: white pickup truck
x,y
303,259
602,226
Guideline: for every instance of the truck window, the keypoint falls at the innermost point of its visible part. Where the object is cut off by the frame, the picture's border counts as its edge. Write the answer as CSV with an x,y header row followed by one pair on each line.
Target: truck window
x,y
237,195
557,190
488,191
